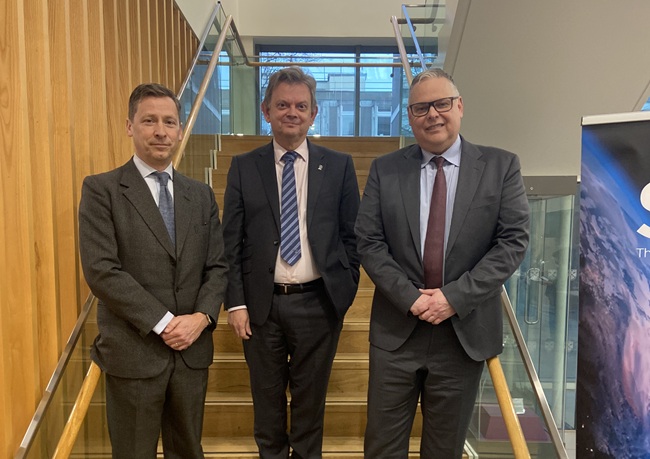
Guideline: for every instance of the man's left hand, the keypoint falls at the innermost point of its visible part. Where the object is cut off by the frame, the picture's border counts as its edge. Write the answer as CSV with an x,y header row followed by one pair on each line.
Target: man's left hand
x,y
182,331
438,308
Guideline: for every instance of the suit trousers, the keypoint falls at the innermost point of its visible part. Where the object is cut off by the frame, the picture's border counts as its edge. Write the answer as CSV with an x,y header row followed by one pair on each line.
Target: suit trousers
x,y
430,366
138,409
295,347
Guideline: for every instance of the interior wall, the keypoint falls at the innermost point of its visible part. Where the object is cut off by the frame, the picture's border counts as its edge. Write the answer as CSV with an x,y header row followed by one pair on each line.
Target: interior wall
x,y
67,69
529,71
307,18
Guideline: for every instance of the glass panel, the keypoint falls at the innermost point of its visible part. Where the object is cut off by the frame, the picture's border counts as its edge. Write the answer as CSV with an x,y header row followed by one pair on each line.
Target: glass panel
x,y
422,24
487,436
214,115
545,294
64,396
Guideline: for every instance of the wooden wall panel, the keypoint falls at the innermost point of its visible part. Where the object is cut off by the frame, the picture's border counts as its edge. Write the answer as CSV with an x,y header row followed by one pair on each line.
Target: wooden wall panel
x,y
145,40
63,176
135,38
157,30
39,102
67,68
20,376
82,132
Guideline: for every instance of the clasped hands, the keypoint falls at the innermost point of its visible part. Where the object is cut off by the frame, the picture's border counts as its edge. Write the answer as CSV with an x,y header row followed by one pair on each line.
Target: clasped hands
x,y
181,332
432,306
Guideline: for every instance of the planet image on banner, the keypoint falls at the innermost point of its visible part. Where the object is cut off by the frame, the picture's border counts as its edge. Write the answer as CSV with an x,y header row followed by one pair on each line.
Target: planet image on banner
x,y
613,388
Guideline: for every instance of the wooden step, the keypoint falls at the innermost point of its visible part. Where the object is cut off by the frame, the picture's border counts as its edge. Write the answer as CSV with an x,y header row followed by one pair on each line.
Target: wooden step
x,y
244,448
229,376
344,417
354,339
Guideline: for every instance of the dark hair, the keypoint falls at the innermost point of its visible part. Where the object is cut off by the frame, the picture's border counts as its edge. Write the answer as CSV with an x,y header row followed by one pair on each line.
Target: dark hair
x,y
150,90
434,73
291,75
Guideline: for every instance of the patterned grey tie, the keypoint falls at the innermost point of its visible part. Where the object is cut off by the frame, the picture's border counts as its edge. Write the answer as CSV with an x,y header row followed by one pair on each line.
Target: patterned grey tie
x,y
166,204
289,228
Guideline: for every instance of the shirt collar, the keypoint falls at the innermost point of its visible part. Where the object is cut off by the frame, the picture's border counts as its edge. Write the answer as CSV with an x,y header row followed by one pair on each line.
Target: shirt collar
x,y
302,150
452,155
146,170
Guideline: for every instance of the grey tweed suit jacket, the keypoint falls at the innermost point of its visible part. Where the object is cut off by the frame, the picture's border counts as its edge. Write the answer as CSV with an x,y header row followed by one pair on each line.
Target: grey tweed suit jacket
x,y
131,265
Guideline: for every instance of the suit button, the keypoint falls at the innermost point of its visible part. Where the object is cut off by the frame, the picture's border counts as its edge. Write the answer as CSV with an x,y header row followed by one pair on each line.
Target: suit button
x,y
275,242
271,270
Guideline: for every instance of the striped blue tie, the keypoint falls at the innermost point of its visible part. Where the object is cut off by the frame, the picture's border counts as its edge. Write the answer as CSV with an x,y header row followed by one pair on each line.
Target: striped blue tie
x,y
289,229
166,205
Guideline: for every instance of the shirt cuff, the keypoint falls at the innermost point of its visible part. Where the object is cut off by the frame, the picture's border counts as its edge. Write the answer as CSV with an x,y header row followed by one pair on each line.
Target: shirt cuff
x,y
160,326
237,308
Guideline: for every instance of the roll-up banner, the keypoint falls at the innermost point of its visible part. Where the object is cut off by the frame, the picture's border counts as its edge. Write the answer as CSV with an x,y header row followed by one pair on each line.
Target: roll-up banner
x,y
613,384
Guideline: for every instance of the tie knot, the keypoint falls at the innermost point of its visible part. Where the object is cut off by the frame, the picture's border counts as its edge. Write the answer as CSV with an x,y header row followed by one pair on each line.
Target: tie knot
x,y
162,177
439,160
289,156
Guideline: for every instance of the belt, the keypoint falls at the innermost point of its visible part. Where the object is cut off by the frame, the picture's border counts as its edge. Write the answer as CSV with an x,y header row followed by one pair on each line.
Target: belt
x,y
288,289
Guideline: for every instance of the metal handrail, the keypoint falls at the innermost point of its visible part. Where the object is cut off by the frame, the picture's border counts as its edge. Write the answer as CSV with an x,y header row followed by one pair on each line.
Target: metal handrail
x,y
204,37
196,106
402,50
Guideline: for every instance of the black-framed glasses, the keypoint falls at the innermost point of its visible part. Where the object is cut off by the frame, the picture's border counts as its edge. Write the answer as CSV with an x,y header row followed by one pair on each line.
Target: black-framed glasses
x,y
441,105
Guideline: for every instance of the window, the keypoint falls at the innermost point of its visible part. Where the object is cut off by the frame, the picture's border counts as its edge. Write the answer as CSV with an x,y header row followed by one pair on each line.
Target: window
x,y
352,101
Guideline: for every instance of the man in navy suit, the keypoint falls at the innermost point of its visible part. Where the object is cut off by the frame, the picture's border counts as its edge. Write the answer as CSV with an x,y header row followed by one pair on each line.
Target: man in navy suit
x,y
288,291
152,252
434,323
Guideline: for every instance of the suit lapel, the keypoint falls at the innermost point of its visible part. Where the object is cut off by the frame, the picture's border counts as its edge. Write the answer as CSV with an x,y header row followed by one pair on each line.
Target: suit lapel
x,y
469,176
409,180
139,195
183,209
316,173
266,168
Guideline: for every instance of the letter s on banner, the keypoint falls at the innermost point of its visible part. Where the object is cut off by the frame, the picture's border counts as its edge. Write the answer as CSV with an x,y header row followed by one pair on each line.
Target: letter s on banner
x,y
644,230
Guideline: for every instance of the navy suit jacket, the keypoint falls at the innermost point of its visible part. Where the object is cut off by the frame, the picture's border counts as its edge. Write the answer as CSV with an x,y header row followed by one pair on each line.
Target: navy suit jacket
x,y
487,242
252,227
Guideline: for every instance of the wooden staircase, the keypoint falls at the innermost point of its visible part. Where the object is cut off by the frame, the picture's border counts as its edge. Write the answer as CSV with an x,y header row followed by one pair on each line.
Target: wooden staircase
x,y
228,426
228,423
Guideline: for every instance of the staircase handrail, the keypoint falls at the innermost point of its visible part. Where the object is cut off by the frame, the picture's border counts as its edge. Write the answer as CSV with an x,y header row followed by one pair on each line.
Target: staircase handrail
x,y
55,379
547,415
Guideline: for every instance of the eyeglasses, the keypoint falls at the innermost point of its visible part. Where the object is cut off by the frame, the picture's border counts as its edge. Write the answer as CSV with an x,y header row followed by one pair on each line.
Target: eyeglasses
x,y
441,105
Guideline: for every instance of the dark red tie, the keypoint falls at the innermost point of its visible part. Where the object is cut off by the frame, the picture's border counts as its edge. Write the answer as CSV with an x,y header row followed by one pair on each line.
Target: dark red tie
x,y
434,244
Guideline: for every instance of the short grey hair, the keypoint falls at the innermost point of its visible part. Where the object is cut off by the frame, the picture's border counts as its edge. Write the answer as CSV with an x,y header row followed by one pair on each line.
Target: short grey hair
x,y
434,73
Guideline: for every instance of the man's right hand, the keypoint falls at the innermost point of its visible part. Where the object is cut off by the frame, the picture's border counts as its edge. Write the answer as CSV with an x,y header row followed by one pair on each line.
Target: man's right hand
x,y
239,323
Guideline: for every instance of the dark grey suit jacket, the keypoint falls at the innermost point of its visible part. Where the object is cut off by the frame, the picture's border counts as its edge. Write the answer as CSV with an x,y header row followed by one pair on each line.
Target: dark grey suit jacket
x,y
252,227
132,267
487,242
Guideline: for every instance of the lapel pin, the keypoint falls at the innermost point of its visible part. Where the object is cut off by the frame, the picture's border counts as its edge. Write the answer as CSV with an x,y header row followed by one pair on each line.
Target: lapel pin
x,y
320,167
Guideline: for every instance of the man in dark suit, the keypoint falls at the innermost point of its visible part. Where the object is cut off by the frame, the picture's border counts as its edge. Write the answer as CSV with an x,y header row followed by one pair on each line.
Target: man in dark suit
x,y
289,213
152,252
438,237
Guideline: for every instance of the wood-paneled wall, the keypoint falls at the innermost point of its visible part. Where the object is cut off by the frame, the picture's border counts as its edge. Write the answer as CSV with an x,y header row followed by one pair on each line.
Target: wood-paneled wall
x,y
67,68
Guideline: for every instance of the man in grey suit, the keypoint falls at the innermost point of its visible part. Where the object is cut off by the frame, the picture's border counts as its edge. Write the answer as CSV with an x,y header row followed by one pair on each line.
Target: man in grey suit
x,y
289,213
152,252
438,237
